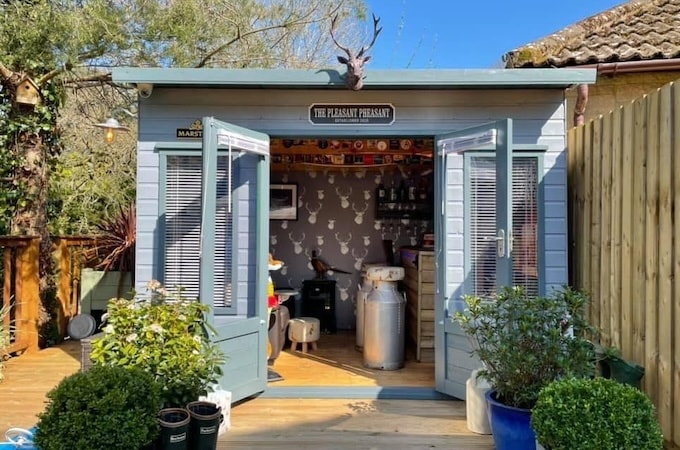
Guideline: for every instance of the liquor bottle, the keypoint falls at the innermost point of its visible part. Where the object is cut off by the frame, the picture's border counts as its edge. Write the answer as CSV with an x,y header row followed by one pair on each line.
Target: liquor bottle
x,y
422,190
381,193
393,194
403,191
412,194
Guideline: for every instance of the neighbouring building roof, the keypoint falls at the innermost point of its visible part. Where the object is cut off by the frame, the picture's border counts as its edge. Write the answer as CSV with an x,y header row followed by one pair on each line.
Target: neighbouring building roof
x,y
634,31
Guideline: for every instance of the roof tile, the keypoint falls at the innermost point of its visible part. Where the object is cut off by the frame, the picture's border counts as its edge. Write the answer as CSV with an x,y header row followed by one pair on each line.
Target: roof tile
x,y
633,31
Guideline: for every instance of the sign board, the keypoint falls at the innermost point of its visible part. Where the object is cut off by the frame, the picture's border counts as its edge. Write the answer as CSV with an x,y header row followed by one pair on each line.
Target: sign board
x,y
195,131
351,114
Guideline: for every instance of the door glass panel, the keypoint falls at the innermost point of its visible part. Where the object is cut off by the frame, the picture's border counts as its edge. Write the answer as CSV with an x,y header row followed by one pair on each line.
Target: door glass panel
x,y
525,223
482,243
183,228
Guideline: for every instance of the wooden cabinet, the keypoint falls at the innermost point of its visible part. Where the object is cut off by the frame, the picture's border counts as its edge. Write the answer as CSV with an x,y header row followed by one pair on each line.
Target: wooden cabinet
x,y
419,283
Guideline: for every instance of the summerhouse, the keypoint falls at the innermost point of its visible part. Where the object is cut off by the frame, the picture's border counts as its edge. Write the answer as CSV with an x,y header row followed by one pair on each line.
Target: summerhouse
x,y
464,170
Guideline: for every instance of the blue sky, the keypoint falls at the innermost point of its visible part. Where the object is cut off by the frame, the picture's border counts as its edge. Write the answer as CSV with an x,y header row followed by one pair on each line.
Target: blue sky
x,y
467,33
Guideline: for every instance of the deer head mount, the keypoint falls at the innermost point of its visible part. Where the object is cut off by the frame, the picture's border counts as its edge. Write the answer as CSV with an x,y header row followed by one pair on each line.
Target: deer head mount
x,y
355,64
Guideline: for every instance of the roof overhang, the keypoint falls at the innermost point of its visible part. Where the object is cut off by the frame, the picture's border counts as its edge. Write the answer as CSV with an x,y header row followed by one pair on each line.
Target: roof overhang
x,y
416,79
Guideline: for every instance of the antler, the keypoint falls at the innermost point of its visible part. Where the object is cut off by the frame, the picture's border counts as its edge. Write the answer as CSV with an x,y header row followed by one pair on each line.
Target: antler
x,y
345,49
376,32
355,64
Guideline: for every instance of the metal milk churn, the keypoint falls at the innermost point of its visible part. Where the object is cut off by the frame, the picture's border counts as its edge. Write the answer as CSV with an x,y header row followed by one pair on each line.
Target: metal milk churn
x,y
364,289
384,320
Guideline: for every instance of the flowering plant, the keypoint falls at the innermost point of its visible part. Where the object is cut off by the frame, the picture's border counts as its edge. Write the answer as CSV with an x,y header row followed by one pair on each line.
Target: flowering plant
x,y
167,336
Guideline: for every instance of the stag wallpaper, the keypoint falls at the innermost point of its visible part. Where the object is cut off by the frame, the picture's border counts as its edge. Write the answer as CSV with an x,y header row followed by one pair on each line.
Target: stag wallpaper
x,y
336,217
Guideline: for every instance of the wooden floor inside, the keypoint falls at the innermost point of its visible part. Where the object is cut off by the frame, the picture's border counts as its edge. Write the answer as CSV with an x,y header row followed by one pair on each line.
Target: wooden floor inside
x,y
336,362
291,422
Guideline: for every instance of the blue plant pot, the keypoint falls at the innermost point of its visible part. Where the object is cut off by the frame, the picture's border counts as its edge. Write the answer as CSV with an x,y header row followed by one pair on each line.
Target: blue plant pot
x,y
510,426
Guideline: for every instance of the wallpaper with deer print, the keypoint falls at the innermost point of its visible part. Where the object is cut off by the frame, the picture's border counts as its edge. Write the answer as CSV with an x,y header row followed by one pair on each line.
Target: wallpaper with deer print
x,y
336,217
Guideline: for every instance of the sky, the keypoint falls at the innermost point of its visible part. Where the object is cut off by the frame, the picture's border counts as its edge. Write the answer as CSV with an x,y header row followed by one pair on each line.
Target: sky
x,y
467,34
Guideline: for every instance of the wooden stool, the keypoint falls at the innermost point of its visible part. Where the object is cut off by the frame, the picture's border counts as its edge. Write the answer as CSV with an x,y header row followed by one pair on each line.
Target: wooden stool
x,y
303,330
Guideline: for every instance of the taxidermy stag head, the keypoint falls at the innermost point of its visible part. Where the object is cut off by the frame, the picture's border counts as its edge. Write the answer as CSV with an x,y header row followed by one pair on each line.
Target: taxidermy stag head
x,y
355,64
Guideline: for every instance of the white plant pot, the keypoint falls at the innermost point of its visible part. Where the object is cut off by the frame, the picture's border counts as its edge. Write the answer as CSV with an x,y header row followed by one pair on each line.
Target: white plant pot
x,y
475,404
539,446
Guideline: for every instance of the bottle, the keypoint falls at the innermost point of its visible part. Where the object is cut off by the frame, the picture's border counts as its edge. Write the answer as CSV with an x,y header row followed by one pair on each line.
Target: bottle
x,y
381,193
403,191
412,194
422,190
393,194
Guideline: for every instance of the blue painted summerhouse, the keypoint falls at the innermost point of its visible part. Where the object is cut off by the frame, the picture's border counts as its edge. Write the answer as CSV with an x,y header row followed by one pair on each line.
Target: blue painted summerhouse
x,y
206,163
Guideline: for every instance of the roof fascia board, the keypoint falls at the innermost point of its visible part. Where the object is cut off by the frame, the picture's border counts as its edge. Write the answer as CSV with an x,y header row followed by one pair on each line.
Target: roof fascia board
x,y
376,79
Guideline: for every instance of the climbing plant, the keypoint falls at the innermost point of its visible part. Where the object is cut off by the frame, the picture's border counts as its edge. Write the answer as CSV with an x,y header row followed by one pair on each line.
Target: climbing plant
x,y
66,48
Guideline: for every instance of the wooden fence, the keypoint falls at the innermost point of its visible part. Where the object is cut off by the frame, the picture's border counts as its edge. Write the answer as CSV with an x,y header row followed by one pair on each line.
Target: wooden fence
x,y
20,294
20,279
68,253
624,200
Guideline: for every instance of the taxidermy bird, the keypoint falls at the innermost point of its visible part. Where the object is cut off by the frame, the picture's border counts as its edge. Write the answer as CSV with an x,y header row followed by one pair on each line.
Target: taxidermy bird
x,y
321,267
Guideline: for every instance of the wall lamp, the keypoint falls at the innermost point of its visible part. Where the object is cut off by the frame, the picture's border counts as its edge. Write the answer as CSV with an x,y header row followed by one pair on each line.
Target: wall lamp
x,y
111,125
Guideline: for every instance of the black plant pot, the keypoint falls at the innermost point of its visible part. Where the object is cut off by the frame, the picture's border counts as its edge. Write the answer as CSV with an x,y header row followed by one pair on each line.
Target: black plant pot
x,y
205,423
174,423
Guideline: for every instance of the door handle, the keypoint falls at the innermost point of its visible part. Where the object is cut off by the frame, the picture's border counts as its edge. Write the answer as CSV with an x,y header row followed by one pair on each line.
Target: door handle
x,y
500,243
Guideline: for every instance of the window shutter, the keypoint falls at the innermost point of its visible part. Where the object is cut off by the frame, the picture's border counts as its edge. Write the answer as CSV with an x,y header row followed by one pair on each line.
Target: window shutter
x,y
183,228
483,224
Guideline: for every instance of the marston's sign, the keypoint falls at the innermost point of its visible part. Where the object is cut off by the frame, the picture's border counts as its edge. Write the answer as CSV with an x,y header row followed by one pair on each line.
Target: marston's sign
x,y
351,114
195,131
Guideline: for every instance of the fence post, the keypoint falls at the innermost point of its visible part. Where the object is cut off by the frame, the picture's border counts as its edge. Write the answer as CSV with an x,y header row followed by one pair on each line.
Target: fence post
x,y
28,294
63,255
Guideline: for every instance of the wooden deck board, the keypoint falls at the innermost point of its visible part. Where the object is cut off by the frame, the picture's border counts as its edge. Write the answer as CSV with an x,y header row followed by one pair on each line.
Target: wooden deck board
x,y
357,424
28,378
281,423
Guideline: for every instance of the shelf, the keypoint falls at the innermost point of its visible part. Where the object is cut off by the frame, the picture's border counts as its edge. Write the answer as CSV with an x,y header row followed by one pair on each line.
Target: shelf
x,y
301,166
404,210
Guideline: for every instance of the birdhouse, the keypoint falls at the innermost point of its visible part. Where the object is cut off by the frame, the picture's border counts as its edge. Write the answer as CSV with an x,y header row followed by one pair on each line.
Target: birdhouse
x,y
27,92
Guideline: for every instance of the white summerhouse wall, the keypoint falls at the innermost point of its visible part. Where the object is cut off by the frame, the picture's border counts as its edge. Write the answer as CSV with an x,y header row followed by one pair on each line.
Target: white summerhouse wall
x,y
539,118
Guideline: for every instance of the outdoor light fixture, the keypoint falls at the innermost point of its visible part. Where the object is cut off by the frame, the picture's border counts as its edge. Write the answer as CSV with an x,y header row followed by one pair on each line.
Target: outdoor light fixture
x,y
111,126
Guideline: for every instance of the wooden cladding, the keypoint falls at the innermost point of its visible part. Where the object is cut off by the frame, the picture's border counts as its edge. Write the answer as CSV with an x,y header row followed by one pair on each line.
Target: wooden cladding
x,y
624,200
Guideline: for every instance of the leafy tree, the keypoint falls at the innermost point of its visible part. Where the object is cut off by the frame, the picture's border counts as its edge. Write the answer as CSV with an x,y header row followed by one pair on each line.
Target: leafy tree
x,y
67,48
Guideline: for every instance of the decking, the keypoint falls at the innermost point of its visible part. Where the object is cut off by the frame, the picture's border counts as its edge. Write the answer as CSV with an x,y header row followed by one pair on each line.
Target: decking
x,y
286,417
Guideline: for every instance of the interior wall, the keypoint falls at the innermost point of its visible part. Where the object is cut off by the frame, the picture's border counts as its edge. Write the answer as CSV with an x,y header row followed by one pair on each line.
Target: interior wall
x,y
336,217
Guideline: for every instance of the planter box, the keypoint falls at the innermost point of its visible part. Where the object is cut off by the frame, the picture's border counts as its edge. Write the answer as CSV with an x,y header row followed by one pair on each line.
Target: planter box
x,y
98,287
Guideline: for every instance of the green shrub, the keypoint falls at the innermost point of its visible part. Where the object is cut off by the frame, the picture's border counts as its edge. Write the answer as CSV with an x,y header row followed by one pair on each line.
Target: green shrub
x,y
166,337
525,342
575,414
106,407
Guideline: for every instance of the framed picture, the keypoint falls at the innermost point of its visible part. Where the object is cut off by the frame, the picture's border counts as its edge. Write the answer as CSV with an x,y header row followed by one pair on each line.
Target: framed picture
x,y
283,201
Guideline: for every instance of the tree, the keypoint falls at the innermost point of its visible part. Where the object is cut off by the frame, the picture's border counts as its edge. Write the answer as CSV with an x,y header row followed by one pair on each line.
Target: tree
x,y
66,49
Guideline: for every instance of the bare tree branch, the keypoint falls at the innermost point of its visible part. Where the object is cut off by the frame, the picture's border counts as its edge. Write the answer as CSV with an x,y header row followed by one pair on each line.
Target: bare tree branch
x,y
286,25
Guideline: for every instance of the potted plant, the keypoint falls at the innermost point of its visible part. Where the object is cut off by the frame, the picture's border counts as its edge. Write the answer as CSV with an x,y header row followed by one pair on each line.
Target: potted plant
x,y
111,260
166,335
105,407
612,365
575,414
524,342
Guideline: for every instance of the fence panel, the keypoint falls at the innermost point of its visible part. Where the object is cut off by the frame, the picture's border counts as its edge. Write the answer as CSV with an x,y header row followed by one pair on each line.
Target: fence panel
x,y
20,292
624,183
